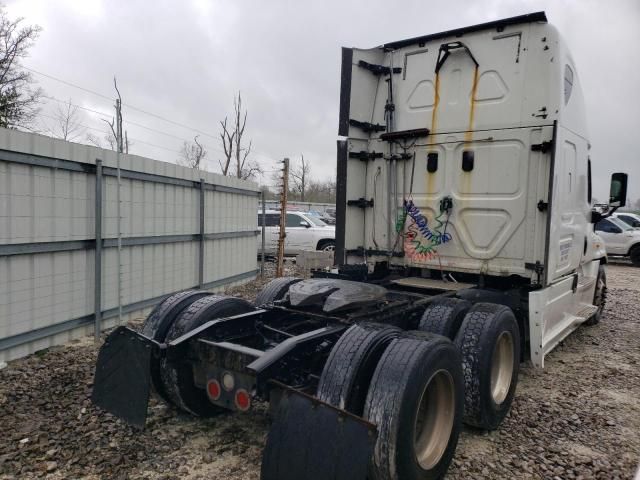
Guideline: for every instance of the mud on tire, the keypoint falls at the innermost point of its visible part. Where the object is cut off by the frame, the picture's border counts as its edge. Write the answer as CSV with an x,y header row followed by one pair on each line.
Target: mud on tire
x,y
444,316
177,377
158,323
489,343
347,373
276,289
416,400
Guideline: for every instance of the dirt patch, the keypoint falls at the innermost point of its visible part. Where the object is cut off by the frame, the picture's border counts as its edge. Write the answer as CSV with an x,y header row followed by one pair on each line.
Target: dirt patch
x,y
579,418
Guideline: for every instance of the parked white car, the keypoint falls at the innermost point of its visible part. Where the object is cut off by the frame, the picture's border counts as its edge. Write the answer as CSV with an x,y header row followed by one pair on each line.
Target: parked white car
x,y
303,232
630,219
619,238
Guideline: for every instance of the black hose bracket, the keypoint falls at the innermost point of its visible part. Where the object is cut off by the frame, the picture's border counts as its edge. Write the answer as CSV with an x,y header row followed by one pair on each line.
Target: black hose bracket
x,y
445,50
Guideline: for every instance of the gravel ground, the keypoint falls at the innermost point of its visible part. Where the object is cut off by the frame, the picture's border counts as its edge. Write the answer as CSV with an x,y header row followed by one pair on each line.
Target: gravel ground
x,y
579,418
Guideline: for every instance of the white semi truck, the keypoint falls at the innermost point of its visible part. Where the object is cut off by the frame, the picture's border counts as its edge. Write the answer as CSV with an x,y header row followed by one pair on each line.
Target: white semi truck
x,y
464,246
469,162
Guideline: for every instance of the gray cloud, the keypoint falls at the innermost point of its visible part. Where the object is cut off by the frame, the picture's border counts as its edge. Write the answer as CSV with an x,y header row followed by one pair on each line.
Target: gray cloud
x,y
185,60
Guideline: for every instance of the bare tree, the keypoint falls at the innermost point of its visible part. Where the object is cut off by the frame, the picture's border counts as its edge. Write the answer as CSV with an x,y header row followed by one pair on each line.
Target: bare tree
x,y
301,174
18,99
68,124
228,138
115,139
236,155
111,137
192,154
107,141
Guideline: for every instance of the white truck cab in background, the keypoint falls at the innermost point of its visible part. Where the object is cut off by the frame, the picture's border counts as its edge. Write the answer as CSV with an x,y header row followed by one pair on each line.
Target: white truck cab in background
x,y
466,159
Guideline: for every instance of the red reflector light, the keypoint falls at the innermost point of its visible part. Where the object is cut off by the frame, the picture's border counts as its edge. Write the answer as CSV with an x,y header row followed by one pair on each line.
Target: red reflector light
x,y
243,400
213,389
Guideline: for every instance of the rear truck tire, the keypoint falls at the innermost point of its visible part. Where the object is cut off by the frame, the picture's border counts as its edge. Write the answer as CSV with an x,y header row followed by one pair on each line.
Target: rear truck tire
x,y
416,400
158,323
489,343
276,289
444,316
599,296
327,245
177,376
347,374
634,254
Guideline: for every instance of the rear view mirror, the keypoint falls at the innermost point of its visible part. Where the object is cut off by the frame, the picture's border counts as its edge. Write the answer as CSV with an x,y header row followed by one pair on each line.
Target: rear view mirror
x,y
618,191
304,223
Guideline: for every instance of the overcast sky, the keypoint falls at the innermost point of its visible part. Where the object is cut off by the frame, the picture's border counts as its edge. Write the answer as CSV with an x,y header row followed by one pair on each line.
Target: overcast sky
x,y
184,61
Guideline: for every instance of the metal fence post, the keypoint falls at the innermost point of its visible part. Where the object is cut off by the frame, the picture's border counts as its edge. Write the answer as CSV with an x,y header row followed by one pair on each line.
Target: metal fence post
x,y
264,223
201,269
98,253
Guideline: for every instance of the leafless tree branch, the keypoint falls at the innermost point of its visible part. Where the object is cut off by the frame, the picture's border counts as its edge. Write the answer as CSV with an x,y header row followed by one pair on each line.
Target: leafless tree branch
x,y
232,143
68,124
19,100
300,175
192,154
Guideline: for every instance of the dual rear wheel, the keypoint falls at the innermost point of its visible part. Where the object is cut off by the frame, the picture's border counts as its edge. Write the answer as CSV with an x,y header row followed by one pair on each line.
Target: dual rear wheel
x,y
488,339
419,386
173,317
407,383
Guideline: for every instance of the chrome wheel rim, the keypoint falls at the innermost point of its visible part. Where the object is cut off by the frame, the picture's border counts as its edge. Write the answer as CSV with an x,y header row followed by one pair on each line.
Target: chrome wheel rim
x,y
434,419
502,367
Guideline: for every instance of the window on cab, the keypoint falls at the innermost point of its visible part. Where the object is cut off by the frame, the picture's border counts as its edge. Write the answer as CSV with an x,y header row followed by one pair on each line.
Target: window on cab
x,y
568,83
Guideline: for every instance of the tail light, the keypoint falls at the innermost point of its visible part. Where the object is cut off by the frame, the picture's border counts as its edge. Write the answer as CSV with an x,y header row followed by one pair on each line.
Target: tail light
x,y
213,389
242,400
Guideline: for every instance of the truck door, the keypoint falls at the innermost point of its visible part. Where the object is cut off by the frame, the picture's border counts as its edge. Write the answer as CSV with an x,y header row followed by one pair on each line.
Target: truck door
x,y
569,205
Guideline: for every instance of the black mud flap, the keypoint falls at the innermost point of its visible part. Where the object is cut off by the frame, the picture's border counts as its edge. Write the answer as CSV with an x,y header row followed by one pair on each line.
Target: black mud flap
x,y
313,440
123,375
